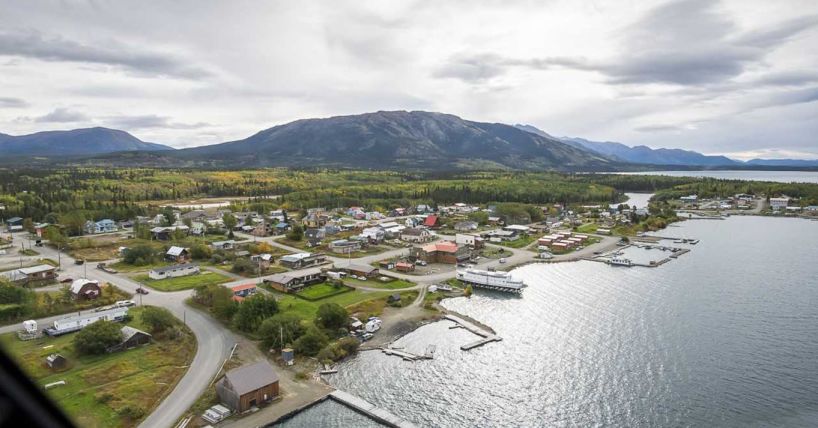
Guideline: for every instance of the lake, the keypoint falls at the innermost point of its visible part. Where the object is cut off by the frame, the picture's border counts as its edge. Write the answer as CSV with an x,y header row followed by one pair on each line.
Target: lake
x,y
777,176
726,335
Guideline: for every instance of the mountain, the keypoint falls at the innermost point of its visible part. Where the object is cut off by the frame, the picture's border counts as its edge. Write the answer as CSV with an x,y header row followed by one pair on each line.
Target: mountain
x,y
806,163
642,154
87,141
396,139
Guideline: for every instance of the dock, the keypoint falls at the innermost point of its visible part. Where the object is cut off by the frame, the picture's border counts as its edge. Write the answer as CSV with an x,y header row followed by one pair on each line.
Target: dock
x,y
486,336
370,410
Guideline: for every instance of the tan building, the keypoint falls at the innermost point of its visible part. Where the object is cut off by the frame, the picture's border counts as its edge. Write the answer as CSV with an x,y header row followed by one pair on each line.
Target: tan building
x,y
249,386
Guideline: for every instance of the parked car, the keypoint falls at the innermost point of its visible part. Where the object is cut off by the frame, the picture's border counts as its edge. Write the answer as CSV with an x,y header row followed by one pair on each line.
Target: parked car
x,y
67,280
79,262
125,303
503,260
141,290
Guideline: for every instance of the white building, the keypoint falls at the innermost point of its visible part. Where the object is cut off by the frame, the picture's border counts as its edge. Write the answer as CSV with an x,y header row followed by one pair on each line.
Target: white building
x,y
778,203
173,271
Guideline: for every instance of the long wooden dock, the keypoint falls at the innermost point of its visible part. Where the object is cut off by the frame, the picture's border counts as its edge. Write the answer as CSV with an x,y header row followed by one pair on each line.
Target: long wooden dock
x,y
370,410
486,336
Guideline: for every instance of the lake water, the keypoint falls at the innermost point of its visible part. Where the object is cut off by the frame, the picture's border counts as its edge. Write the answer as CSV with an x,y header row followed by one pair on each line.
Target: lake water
x,y
726,335
777,176
640,200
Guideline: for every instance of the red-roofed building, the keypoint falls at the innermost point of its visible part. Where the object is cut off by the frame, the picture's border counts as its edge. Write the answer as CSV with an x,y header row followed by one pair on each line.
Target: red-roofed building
x,y
240,292
440,252
432,221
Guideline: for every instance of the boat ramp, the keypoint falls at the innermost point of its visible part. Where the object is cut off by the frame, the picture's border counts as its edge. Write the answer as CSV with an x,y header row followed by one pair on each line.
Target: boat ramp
x,y
485,336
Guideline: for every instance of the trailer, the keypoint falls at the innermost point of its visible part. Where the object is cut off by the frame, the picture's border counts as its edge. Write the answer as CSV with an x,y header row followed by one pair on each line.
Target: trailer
x,y
76,323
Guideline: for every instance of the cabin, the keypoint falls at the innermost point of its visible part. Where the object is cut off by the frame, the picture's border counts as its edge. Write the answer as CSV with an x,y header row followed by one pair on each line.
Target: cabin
x,y
302,260
264,260
29,274
432,221
177,254
131,338
240,292
360,270
294,281
85,289
247,387
405,267
223,245
56,361
165,233
446,252
173,271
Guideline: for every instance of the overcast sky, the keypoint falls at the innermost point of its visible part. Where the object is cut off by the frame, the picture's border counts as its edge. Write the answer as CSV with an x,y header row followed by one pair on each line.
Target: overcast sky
x,y
732,77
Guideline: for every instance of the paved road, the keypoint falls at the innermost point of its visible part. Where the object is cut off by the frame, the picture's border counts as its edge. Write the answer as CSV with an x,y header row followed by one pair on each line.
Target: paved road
x,y
213,340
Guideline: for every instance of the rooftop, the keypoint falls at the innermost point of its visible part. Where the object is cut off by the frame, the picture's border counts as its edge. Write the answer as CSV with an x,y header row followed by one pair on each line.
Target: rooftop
x,y
250,378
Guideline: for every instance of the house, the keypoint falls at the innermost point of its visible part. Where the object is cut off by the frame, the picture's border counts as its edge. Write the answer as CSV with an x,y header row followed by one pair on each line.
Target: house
x,y
85,289
56,361
603,231
432,221
501,235
131,338
194,215
198,228
360,270
517,228
240,292
223,245
14,224
391,229
241,253
293,281
423,209
176,254
393,298
40,229
314,234
302,260
33,273
344,246
440,252
691,199
416,234
373,235
465,226
405,267
164,233
173,271
469,240
262,260
282,228
779,203
102,226
249,386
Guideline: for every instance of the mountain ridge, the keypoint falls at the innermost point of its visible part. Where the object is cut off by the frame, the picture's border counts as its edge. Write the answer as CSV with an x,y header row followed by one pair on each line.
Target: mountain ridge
x,y
74,142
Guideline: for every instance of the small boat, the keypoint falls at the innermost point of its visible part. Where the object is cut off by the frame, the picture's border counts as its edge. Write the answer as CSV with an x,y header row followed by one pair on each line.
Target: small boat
x,y
621,261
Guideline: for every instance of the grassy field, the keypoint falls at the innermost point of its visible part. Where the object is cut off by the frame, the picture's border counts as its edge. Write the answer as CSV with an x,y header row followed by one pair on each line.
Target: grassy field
x,y
125,267
321,291
392,284
588,228
110,390
306,309
184,282
49,303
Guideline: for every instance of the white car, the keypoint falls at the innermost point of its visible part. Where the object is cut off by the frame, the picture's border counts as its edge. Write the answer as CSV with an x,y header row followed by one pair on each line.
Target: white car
x,y
503,260
125,303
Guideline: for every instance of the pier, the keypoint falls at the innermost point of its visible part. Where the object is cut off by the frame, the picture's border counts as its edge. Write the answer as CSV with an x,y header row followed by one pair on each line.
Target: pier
x,y
487,337
366,408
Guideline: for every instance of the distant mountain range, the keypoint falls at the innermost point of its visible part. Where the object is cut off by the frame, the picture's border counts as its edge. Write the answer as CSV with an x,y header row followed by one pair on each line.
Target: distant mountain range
x,y
87,141
380,140
669,157
390,140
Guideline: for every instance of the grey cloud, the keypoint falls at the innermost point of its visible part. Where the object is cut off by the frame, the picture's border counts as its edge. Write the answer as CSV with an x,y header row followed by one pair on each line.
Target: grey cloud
x,y
33,44
150,121
779,34
62,115
473,69
788,78
658,128
10,102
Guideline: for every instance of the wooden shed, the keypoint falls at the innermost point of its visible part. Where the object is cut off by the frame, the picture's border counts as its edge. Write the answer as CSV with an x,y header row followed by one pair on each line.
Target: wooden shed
x,y
249,386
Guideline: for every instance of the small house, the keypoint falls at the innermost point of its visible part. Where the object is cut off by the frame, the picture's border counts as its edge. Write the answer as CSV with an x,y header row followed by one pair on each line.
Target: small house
x,y
249,386
103,226
223,245
361,270
56,361
293,281
344,246
14,224
85,289
465,226
415,234
173,271
405,267
302,260
131,338
176,254
432,221
240,292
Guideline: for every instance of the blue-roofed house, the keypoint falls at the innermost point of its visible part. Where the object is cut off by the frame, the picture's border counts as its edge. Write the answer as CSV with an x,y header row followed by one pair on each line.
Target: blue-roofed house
x,y
102,226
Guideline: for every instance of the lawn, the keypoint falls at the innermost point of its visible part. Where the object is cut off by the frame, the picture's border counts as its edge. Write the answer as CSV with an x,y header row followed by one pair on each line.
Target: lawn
x,y
125,267
391,284
588,228
184,282
48,303
321,291
306,309
100,391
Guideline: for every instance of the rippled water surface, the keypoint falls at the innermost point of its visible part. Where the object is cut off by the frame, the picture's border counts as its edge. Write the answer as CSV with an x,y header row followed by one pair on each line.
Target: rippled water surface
x,y
777,176
727,335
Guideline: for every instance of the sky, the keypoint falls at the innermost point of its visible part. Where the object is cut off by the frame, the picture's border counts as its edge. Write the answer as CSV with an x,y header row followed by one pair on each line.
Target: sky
x,y
736,77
